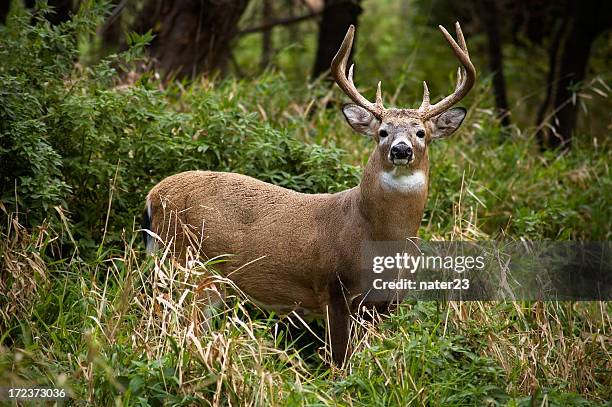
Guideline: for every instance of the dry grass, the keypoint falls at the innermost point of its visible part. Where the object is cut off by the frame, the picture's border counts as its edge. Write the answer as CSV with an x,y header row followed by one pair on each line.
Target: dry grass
x,y
23,273
157,310
544,344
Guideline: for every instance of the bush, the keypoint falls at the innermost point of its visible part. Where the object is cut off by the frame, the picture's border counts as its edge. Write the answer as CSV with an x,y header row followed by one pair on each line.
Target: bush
x,y
76,138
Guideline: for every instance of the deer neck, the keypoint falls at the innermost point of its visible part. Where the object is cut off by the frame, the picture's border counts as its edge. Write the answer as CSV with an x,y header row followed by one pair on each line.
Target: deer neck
x,y
393,201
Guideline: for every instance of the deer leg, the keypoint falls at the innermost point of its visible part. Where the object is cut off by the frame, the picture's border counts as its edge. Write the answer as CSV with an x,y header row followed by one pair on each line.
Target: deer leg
x,y
338,323
210,295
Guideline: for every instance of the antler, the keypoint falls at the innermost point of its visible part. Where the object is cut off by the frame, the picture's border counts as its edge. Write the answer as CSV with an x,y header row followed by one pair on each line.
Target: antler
x,y
338,69
466,76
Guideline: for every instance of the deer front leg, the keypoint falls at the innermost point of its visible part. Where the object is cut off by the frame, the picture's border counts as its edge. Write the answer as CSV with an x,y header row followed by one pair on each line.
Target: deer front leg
x,y
338,323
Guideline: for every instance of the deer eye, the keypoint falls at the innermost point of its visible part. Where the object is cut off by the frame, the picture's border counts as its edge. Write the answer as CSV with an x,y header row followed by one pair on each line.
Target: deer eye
x,y
383,133
420,133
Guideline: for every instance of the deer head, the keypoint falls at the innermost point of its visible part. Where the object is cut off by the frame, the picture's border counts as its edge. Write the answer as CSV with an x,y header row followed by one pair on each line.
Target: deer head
x,y
402,135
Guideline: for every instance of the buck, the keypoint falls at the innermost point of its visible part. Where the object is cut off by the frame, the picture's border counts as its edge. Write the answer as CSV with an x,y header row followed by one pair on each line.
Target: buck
x,y
295,251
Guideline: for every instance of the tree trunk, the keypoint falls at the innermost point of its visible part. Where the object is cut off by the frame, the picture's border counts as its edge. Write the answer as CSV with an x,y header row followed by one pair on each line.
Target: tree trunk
x,y
111,31
338,15
553,73
266,35
191,36
585,25
496,65
4,9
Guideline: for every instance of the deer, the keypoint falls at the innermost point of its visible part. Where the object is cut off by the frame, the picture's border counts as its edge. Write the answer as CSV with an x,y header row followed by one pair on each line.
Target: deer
x,y
301,252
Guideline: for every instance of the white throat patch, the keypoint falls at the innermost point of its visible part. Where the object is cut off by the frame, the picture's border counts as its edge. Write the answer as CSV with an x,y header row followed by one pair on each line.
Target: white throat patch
x,y
395,181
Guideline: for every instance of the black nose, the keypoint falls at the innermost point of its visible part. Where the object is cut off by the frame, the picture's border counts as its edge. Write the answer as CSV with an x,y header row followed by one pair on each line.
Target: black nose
x,y
401,151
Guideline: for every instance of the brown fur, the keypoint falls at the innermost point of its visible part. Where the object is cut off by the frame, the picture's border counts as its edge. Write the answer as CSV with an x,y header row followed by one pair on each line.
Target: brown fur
x,y
302,241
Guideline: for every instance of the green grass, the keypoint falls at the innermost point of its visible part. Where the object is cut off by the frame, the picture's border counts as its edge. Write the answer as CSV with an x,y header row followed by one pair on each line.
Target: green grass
x,y
128,330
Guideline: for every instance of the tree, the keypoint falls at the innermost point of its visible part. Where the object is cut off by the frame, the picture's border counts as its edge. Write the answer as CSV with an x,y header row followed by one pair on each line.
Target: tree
x,y
494,18
583,22
266,40
4,9
569,27
338,15
191,36
495,56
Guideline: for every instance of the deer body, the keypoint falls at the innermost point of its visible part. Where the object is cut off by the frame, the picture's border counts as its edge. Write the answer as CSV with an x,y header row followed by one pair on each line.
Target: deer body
x,y
305,241
303,251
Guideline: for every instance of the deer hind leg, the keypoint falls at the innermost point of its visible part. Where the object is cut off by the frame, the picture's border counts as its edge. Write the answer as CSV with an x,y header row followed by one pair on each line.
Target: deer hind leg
x,y
210,296
338,323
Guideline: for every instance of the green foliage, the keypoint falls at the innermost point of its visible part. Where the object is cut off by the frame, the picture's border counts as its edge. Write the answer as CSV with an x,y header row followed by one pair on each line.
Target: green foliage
x,y
447,367
72,137
507,187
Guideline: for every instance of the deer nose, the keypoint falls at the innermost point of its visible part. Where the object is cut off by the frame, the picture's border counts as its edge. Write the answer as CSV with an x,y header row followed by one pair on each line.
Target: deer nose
x,y
401,151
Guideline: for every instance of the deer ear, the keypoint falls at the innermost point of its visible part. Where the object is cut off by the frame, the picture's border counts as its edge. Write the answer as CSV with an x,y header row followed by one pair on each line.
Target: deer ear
x,y
361,120
448,122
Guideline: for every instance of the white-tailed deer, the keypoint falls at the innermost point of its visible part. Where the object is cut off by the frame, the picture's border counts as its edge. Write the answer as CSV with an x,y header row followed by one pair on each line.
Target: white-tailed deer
x,y
302,251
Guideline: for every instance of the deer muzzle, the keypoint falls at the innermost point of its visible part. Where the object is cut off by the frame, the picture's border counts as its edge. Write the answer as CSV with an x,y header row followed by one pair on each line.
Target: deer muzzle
x,y
401,154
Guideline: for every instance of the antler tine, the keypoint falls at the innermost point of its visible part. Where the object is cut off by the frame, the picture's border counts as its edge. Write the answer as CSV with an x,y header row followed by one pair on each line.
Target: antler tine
x,y
466,76
459,78
425,103
461,39
338,69
379,101
350,75
462,44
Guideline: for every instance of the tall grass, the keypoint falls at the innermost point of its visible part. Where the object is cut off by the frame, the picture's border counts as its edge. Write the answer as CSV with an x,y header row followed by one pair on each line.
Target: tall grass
x,y
128,329
125,328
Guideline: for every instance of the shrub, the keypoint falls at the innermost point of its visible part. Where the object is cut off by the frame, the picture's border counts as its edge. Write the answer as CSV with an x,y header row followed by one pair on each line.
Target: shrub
x,y
75,137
